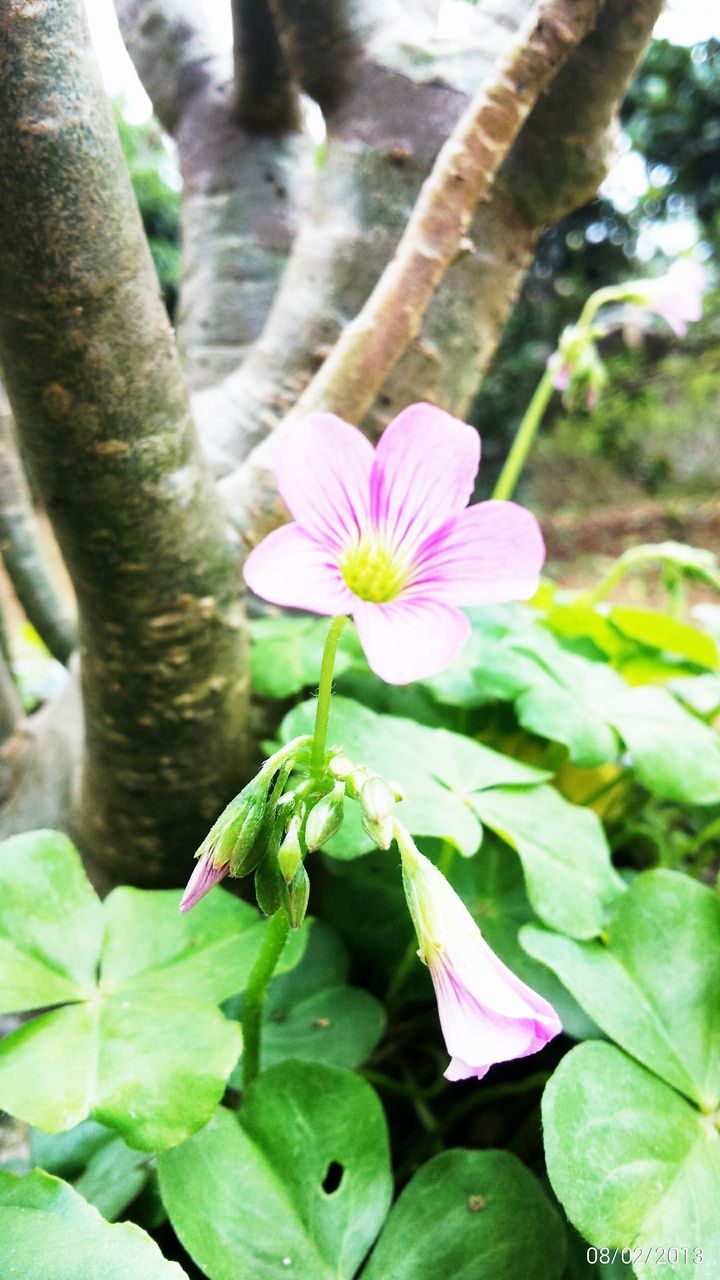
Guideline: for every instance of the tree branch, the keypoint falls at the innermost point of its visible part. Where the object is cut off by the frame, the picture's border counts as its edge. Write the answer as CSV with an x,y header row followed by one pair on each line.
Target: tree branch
x,y
371,345
265,100
101,408
505,230
324,41
241,193
174,50
11,712
382,141
20,549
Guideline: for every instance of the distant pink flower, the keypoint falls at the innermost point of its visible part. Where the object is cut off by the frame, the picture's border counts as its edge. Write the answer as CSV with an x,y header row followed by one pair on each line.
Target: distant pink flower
x,y
677,296
486,1013
383,534
204,878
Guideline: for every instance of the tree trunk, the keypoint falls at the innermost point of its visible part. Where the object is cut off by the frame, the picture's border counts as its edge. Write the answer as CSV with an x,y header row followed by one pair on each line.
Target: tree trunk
x,y
102,410
267,318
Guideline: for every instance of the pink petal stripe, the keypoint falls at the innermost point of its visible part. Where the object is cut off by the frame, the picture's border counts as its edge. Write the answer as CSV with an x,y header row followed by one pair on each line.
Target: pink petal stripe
x,y
323,470
491,553
423,474
409,639
291,568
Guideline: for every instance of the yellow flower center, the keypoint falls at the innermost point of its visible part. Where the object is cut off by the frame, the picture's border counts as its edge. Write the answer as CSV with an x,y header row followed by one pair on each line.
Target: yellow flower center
x,y
373,572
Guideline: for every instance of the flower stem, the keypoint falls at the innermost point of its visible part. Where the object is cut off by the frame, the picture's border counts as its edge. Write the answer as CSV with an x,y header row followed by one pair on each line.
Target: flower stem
x,y
401,974
276,934
524,437
322,713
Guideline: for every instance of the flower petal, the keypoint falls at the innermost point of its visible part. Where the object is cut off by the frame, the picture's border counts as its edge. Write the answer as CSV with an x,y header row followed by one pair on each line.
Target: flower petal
x,y
323,470
474,1034
423,474
204,878
492,552
291,568
409,638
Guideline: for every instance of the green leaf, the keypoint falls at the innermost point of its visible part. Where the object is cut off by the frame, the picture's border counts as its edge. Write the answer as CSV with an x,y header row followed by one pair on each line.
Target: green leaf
x,y
313,1015
587,706
674,754
42,960
557,694
633,1164
569,877
114,1177
105,1171
438,770
143,1047
655,986
210,949
67,1154
565,701
152,1068
470,1215
162,1065
47,1068
247,1192
48,1232
286,654
659,631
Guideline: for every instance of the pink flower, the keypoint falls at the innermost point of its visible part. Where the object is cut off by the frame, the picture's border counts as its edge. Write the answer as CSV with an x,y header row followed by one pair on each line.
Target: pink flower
x,y
486,1013
204,878
677,296
384,534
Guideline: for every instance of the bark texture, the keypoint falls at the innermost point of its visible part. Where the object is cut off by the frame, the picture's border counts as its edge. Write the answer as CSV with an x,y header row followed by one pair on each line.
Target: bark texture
x,y
101,407
104,413
576,114
383,138
240,176
371,345
20,549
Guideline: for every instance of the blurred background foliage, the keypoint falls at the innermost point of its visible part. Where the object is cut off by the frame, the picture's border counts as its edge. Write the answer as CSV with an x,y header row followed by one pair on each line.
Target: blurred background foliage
x,y
654,432
156,184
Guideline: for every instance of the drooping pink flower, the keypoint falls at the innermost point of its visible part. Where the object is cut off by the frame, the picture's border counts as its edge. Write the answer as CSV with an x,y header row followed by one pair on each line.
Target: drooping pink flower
x,y
204,878
386,535
677,296
486,1013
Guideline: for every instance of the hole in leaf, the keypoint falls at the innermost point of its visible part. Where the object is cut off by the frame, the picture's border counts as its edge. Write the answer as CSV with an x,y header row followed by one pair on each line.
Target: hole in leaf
x,y
333,1177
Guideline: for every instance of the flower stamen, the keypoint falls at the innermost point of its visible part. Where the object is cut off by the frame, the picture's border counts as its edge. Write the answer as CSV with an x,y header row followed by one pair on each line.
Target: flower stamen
x,y
373,572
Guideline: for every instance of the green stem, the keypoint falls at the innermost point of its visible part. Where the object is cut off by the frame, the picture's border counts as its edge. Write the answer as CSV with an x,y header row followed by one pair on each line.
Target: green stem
x,y
276,934
322,713
524,437
401,974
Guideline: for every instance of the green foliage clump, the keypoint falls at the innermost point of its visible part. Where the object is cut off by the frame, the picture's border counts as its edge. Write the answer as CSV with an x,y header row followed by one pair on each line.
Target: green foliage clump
x,y
151,171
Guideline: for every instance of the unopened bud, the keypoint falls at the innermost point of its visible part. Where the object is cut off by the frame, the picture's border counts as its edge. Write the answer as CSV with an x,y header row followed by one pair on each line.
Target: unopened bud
x,y
294,897
381,832
325,818
357,780
340,766
267,885
290,853
232,840
397,789
376,799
